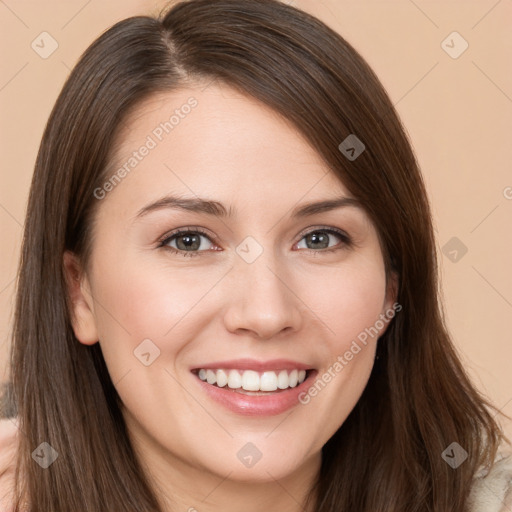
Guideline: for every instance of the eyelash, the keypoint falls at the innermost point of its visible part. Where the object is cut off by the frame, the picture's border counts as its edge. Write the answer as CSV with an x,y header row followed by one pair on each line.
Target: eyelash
x,y
346,240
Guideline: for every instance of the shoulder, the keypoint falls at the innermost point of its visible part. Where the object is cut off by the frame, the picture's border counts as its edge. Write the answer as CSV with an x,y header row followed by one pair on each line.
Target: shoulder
x,y
492,488
8,444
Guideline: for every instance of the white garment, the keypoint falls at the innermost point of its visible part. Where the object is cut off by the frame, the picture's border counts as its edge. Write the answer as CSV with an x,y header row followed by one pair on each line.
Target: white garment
x,y
492,490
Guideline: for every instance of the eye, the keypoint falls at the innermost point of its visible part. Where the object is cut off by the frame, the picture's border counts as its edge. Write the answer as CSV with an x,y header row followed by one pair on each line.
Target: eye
x,y
320,239
188,242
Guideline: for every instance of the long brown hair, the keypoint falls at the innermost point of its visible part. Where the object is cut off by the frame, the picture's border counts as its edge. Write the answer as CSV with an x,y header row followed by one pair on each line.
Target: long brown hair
x,y
419,399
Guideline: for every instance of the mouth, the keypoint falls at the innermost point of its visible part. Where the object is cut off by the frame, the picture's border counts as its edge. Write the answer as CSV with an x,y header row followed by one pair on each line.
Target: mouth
x,y
252,389
252,382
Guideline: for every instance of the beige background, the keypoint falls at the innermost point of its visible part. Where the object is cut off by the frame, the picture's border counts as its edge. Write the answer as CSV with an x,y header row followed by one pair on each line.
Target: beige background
x,y
458,112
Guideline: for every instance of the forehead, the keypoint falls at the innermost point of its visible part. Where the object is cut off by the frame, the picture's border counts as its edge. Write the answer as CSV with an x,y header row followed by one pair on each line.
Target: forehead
x,y
217,142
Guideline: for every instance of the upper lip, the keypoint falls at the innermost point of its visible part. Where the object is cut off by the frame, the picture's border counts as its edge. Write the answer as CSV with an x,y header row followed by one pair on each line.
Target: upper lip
x,y
254,364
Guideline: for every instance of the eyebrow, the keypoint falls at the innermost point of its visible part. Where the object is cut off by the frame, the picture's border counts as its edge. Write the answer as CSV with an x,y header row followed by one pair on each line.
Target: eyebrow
x,y
217,209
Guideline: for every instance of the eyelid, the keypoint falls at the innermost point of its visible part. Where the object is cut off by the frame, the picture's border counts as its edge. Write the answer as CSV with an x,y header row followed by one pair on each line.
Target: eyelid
x,y
331,229
186,229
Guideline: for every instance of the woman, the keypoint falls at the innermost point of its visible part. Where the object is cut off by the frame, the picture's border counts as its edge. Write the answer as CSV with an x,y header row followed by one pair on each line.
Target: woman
x,y
296,358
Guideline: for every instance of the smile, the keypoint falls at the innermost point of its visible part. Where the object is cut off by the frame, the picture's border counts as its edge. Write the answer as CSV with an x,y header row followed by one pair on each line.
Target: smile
x,y
254,388
251,380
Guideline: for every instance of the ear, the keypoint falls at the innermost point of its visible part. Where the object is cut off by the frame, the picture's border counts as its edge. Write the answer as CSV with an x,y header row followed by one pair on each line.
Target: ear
x,y
391,307
82,313
391,289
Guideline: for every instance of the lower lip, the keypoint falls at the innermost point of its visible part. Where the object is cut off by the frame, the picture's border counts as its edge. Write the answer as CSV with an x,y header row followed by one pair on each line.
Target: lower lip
x,y
257,405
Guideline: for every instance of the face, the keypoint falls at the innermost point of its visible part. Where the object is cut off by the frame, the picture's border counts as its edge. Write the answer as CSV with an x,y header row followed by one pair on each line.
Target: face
x,y
243,291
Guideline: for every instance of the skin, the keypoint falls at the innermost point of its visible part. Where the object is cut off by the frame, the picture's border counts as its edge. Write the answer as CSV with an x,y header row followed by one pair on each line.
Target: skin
x,y
294,301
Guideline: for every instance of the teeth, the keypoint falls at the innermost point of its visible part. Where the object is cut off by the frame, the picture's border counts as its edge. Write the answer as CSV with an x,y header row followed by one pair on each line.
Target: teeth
x,y
250,380
222,378
268,381
282,379
211,377
234,380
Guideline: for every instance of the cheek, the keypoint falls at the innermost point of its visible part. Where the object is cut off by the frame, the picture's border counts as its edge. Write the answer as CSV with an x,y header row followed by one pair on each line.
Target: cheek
x,y
347,300
350,310
149,299
139,299
132,304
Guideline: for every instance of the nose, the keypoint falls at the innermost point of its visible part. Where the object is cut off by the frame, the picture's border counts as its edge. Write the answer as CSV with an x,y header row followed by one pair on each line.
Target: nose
x,y
262,301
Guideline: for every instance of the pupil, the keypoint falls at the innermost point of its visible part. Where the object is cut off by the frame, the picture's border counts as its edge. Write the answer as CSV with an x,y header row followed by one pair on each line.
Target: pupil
x,y
319,238
189,241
